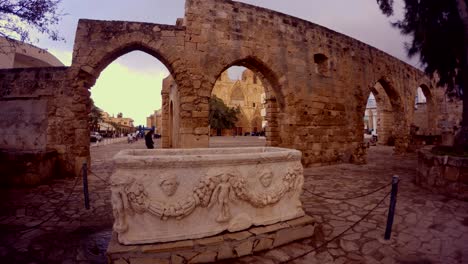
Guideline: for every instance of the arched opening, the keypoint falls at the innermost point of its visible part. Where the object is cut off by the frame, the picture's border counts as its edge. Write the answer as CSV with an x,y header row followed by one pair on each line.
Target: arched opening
x,y
370,118
128,95
424,122
249,88
382,113
422,103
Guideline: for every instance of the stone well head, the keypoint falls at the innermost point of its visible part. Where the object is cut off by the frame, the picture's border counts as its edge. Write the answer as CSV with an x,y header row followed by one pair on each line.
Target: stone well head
x,y
176,194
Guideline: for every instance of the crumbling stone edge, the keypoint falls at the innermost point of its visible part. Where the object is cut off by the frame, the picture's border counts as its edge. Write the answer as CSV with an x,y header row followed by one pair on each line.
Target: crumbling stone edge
x,y
223,246
446,175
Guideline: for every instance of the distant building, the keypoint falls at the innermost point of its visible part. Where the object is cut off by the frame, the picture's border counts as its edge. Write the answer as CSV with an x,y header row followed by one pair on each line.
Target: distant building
x,y
372,120
14,54
371,115
124,124
155,120
246,93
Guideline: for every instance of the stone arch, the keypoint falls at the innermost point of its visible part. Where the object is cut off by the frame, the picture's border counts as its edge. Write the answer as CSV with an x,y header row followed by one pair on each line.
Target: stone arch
x,y
87,69
274,98
425,115
385,118
97,64
391,119
267,76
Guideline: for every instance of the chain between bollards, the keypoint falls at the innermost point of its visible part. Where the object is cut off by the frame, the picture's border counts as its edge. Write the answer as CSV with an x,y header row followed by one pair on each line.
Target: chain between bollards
x,y
391,210
85,185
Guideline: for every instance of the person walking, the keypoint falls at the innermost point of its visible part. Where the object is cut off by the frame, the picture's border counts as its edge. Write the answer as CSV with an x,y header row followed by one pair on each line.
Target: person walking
x,y
149,139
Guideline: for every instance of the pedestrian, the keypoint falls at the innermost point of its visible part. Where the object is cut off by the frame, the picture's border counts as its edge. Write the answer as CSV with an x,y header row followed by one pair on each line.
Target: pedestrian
x,y
149,139
130,138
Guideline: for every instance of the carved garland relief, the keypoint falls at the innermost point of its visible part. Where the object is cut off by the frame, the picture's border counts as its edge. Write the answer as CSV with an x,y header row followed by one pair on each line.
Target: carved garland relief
x,y
220,188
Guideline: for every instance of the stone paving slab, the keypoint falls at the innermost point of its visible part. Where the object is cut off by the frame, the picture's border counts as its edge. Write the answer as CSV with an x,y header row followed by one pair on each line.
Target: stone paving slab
x,y
428,228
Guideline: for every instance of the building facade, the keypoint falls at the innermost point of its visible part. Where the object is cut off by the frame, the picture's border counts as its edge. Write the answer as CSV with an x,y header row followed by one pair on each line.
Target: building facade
x,y
155,120
247,94
14,54
116,125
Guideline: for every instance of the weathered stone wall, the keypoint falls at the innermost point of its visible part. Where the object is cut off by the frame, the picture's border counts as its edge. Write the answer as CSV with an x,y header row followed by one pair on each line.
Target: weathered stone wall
x,y
320,78
174,116
38,114
449,112
316,81
421,119
155,120
447,175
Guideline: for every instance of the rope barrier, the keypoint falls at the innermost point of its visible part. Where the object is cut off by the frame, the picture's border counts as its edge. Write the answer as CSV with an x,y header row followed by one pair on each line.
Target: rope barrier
x,y
340,234
349,198
54,213
90,171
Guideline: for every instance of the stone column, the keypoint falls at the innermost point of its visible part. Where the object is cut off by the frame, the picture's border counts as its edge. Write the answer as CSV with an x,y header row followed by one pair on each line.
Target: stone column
x,y
272,129
193,129
374,121
165,120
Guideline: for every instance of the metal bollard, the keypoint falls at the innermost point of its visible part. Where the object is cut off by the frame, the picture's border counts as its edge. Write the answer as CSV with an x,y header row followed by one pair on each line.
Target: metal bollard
x,y
391,210
85,185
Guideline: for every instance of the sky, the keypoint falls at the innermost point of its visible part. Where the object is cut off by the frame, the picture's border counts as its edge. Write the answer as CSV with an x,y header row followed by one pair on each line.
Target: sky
x,y
132,83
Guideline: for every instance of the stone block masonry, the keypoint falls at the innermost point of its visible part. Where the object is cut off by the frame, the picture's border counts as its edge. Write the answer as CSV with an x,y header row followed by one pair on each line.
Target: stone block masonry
x,y
447,175
315,80
27,168
212,249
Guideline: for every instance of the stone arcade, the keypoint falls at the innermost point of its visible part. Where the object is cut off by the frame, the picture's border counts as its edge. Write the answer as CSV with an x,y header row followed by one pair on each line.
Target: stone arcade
x,y
317,81
316,85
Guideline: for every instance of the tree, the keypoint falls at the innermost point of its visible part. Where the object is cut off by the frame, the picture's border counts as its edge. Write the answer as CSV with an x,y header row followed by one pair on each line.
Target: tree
x,y
222,116
439,30
95,117
19,17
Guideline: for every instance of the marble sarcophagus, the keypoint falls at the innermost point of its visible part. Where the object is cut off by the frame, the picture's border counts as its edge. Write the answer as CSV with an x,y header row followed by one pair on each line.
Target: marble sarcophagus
x,y
175,194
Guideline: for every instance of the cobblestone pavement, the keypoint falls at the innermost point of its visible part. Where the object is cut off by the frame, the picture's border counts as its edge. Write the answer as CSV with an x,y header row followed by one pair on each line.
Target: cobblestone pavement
x,y
428,228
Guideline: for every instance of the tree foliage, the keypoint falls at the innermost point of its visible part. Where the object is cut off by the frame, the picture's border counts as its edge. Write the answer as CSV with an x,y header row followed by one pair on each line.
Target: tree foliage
x,y
439,31
19,17
222,116
95,117
438,37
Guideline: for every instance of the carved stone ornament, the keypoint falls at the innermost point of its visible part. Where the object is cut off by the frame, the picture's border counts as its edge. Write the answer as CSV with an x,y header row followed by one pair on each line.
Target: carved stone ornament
x,y
169,185
203,193
266,178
